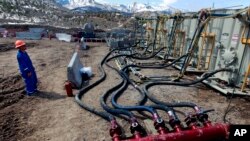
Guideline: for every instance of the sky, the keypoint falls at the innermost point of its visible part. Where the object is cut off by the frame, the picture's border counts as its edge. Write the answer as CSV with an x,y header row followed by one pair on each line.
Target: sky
x,y
191,5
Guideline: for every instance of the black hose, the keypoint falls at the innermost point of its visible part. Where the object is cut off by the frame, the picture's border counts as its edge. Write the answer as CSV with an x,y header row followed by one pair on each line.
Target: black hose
x,y
134,56
194,42
104,98
144,98
139,108
118,93
180,104
82,91
167,109
154,67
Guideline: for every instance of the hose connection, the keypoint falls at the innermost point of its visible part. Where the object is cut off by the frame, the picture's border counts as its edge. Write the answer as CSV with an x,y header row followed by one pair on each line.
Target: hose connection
x,y
200,115
191,121
174,122
136,129
203,117
115,130
160,126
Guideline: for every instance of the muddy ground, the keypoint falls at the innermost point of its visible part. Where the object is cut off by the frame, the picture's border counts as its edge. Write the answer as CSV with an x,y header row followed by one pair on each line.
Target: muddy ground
x,y
51,115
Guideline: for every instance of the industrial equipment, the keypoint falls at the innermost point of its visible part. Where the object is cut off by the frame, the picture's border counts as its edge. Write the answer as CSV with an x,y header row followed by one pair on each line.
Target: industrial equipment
x,y
233,52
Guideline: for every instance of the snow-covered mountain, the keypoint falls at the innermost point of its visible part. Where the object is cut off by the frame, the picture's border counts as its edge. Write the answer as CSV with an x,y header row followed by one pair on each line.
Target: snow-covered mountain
x,y
121,7
82,3
45,12
93,6
138,7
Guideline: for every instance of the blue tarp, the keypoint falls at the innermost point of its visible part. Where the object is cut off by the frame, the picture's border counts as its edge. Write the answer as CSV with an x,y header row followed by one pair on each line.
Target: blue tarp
x,y
39,30
28,35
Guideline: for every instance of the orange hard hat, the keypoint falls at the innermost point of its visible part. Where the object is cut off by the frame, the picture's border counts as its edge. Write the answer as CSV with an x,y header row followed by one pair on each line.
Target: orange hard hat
x,y
19,43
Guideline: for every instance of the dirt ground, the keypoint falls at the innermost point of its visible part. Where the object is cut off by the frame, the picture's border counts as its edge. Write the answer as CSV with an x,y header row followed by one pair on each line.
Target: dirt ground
x,y
51,115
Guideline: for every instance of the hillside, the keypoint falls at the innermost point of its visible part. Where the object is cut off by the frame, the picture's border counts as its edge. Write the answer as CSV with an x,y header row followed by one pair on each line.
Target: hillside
x,y
49,12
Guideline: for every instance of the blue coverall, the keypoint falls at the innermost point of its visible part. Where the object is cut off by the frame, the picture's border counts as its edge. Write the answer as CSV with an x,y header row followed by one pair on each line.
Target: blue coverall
x,y
25,66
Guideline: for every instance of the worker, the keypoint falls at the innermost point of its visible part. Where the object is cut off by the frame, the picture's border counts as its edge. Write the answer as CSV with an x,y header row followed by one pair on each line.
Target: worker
x,y
26,68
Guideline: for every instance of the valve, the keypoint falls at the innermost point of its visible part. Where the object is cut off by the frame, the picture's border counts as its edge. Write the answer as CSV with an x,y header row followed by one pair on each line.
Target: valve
x,y
173,121
214,132
115,130
191,120
202,116
136,128
160,126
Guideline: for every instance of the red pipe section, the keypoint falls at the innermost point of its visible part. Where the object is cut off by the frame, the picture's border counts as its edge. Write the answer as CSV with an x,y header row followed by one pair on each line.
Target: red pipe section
x,y
207,133
68,88
115,131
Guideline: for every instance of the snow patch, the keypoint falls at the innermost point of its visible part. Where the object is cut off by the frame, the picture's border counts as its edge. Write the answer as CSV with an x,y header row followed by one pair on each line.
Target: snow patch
x,y
92,5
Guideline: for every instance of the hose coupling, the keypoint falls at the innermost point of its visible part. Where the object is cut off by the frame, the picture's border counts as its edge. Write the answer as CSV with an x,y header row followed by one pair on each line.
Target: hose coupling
x,y
160,126
115,130
191,120
173,121
137,130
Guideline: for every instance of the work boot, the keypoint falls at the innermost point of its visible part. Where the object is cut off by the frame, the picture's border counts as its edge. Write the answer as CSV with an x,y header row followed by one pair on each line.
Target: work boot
x,y
32,93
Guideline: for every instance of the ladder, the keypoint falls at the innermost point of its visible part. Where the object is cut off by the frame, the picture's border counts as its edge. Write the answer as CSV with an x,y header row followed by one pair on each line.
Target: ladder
x,y
245,40
205,54
245,80
179,43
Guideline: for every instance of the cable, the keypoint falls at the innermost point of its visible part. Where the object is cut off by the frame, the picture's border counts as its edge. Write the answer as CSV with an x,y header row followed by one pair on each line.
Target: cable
x,y
227,109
